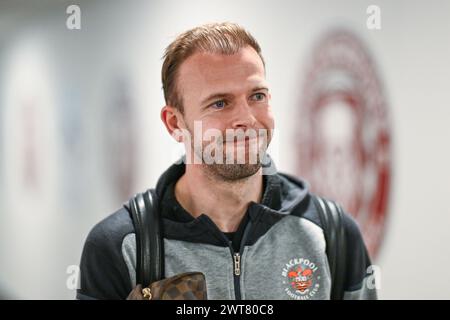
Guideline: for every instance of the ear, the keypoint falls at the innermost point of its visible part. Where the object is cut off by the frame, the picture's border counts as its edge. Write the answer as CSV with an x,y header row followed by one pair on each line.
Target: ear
x,y
174,122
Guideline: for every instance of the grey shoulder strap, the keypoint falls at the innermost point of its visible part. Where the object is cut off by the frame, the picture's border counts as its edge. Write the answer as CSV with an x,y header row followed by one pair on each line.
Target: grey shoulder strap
x,y
332,218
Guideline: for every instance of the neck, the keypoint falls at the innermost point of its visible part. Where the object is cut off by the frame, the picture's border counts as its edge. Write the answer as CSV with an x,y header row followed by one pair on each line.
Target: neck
x,y
225,202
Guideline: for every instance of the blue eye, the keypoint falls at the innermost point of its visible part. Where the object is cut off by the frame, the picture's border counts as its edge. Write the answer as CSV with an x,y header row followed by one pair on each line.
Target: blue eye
x,y
218,104
259,96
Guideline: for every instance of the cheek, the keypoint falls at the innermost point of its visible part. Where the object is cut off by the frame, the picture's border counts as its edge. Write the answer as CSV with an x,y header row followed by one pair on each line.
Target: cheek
x,y
266,118
212,128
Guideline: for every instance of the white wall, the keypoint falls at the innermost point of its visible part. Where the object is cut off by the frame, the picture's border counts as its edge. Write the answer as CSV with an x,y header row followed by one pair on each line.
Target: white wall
x,y
128,38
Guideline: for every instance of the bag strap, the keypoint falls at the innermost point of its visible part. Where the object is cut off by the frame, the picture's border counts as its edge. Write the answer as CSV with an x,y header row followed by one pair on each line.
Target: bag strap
x,y
149,244
331,216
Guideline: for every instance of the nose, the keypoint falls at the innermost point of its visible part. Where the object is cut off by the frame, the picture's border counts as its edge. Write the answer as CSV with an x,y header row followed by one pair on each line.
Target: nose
x,y
243,117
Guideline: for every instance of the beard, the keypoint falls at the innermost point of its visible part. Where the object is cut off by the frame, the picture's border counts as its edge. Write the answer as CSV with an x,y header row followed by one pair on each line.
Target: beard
x,y
234,171
233,161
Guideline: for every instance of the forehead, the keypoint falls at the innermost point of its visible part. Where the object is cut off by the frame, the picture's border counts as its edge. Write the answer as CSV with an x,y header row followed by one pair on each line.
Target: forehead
x,y
204,73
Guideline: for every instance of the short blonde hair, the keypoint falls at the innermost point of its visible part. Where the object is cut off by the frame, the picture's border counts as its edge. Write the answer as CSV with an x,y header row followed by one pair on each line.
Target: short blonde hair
x,y
222,38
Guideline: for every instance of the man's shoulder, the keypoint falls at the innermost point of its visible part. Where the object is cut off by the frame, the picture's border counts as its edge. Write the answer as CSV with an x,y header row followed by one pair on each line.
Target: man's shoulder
x,y
308,210
112,229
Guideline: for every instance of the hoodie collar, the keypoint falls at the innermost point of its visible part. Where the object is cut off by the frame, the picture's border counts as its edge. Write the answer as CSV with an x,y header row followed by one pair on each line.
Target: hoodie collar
x,y
271,195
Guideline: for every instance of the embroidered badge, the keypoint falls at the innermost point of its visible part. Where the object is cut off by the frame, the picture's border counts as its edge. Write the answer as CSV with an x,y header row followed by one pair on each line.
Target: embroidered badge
x,y
300,279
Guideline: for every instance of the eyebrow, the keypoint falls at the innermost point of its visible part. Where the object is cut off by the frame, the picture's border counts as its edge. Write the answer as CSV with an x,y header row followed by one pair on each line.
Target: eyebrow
x,y
225,95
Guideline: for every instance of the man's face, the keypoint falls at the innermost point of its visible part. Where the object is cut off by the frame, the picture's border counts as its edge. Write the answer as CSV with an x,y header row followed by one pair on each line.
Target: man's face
x,y
227,93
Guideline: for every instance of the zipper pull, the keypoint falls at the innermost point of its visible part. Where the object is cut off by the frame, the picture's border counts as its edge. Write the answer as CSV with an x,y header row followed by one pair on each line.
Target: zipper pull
x,y
237,264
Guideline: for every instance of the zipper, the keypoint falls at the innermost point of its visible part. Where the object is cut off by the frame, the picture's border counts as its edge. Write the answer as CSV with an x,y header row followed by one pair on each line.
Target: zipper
x,y
237,264
235,256
237,261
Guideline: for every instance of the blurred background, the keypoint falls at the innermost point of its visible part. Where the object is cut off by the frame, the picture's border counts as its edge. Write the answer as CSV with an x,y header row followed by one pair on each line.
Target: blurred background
x,y
360,95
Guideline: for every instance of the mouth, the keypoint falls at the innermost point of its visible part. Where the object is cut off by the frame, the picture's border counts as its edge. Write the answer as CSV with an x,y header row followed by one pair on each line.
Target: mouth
x,y
241,143
247,144
246,139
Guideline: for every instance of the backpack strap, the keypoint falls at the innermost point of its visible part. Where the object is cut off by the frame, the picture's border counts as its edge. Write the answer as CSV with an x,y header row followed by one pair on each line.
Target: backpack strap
x,y
149,245
332,218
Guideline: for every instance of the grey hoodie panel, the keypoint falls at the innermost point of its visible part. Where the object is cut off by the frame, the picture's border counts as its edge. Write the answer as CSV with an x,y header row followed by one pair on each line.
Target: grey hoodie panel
x,y
180,256
297,240
215,262
293,242
129,256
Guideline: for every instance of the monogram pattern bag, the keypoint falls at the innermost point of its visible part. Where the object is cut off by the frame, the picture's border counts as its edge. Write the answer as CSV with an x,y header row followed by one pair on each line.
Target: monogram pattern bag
x,y
185,286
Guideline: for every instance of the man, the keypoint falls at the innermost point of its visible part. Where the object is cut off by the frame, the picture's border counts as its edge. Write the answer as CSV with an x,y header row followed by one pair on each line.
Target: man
x,y
253,235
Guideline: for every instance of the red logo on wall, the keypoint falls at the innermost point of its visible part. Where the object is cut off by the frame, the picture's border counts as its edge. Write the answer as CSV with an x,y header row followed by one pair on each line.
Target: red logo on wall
x,y
344,134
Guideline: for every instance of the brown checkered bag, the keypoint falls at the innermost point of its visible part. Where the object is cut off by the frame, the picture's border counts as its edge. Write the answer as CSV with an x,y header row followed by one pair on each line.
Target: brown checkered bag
x,y
184,286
